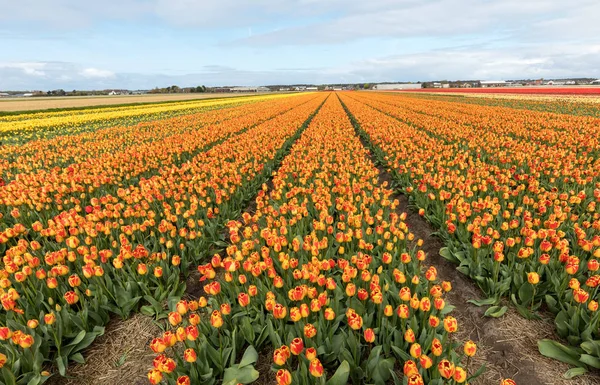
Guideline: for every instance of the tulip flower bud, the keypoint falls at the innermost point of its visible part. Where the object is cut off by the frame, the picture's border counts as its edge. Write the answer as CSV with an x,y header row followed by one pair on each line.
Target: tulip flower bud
x,y
415,379
369,335
189,355
311,353
279,357
446,369
25,341
415,350
155,376
436,347
32,323
470,348
460,375
388,311
450,324
310,331
215,319
426,362
283,377
49,318
315,368
533,278
297,346
410,368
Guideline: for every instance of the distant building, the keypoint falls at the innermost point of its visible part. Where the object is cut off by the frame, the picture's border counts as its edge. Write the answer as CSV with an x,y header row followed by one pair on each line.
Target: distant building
x,y
437,85
397,86
243,89
494,83
312,89
597,81
4,95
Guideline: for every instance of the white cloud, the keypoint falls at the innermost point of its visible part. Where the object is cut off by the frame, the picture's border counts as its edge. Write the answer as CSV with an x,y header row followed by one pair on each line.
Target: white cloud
x,y
97,73
525,61
51,75
65,14
499,38
442,18
29,69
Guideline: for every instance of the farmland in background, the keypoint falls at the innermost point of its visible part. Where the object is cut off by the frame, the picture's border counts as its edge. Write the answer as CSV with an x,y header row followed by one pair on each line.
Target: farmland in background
x,y
12,105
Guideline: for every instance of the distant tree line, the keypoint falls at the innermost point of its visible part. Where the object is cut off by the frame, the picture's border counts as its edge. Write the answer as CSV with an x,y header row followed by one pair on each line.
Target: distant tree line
x,y
177,90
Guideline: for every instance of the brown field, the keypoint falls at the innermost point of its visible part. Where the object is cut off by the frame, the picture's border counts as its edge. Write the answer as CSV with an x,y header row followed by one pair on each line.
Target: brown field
x,y
42,103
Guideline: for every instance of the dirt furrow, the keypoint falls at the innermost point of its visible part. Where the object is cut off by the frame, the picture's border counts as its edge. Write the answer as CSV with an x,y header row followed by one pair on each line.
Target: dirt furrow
x,y
507,346
122,355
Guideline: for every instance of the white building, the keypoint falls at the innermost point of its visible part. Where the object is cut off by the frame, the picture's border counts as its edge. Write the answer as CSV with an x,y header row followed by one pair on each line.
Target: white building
x,y
397,86
494,83
597,81
312,88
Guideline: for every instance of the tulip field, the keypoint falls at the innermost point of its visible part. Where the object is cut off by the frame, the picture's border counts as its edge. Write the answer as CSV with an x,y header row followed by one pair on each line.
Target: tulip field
x,y
286,209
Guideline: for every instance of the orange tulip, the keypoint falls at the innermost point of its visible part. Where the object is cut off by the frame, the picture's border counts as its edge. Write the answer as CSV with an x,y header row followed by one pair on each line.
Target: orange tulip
x,y
311,353
533,278
297,346
450,324
155,376
283,377
215,319
470,348
189,355
446,369
71,297
369,335
460,375
315,368
410,368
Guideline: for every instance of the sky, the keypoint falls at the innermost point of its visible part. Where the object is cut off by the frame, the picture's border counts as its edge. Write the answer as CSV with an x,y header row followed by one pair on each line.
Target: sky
x,y
141,44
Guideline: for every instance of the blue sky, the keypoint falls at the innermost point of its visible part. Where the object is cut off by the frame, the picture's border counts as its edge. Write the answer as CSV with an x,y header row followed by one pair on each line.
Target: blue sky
x,y
81,44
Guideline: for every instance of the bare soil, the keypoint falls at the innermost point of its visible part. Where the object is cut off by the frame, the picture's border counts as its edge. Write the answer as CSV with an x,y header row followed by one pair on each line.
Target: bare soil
x,y
506,345
121,356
